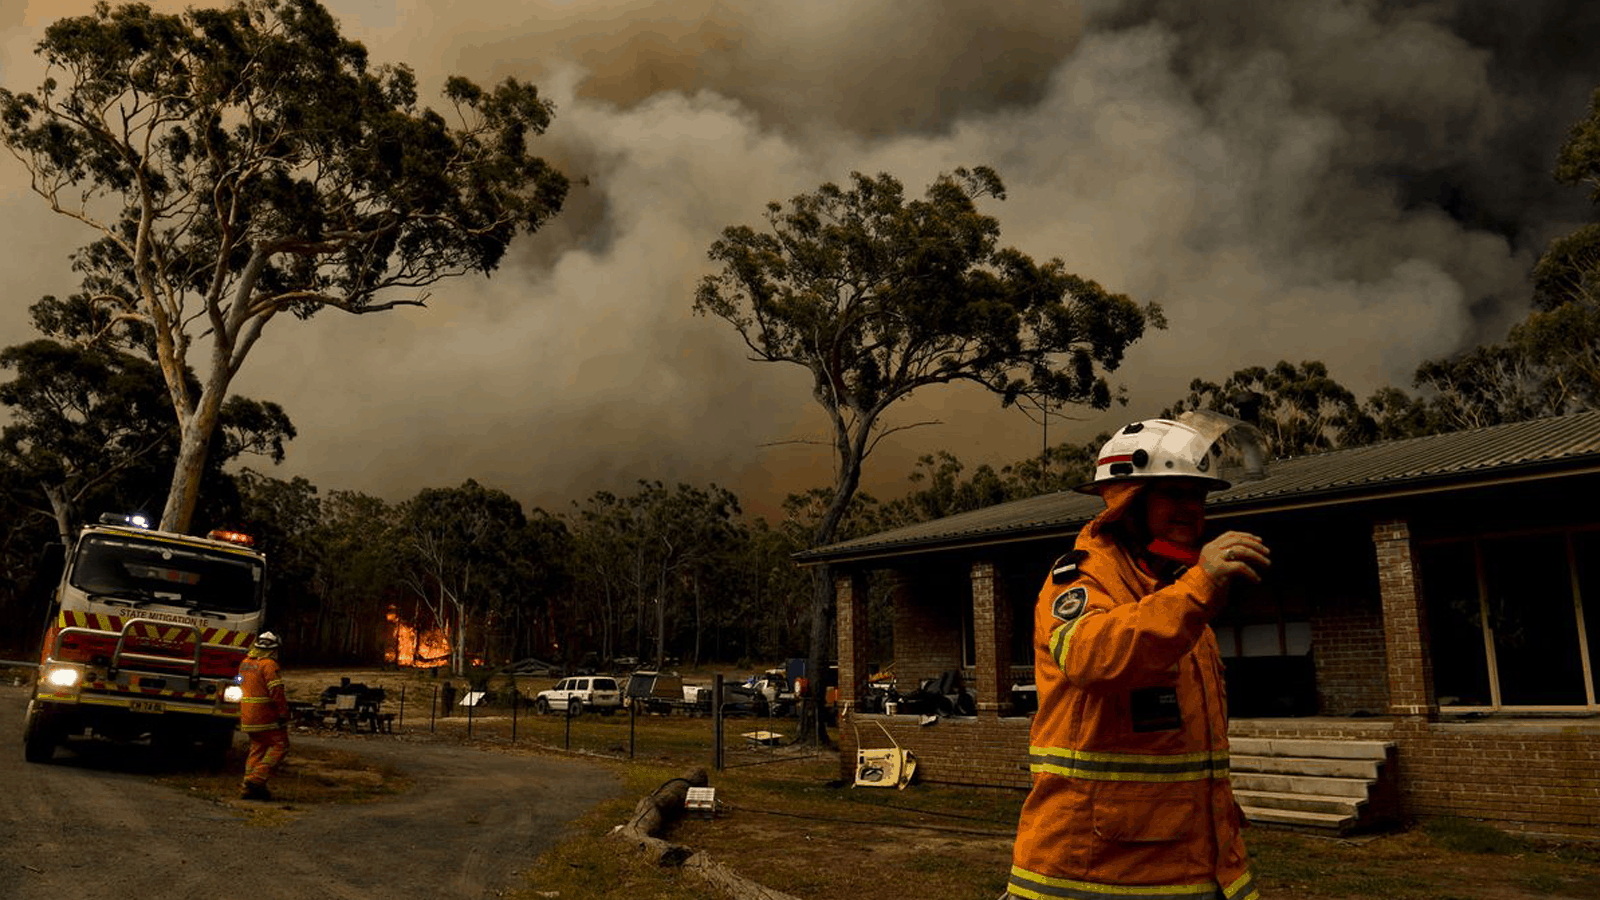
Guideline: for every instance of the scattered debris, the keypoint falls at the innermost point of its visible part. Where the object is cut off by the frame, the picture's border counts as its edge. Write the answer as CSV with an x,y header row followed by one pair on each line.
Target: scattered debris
x,y
883,766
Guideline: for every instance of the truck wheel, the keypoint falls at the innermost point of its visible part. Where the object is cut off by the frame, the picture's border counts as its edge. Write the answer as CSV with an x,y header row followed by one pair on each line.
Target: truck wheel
x,y
574,707
543,706
38,736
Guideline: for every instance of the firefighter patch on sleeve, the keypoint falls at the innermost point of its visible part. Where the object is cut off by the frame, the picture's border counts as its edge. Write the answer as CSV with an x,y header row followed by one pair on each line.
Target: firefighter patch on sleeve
x,y
1070,603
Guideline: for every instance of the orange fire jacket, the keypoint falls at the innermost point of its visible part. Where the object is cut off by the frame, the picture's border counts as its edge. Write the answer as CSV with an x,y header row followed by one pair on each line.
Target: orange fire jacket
x,y
264,705
1129,748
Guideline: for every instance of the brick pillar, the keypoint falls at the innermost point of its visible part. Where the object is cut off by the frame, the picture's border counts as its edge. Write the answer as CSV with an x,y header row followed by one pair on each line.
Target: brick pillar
x,y
1405,624
850,598
991,626
850,606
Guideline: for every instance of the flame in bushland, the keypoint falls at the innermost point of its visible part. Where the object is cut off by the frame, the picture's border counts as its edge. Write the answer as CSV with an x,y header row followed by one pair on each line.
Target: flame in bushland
x,y
407,647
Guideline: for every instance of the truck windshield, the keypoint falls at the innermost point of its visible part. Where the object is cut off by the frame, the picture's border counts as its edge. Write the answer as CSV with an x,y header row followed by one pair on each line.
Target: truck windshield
x,y
145,572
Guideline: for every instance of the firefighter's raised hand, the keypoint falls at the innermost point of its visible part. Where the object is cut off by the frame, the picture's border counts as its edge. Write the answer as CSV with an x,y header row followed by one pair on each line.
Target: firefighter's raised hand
x,y
1235,554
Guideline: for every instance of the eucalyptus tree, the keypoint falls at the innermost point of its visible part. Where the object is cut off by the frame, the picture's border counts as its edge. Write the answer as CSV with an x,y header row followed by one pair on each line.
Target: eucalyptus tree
x,y
1300,408
94,426
245,163
457,547
878,297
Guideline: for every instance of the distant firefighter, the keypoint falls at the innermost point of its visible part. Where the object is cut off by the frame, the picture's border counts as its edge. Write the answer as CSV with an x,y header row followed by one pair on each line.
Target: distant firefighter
x,y
263,715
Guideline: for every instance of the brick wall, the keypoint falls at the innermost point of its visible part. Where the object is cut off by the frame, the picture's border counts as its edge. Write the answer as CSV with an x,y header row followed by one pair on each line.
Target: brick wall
x,y
1444,769
1539,777
1352,664
984,750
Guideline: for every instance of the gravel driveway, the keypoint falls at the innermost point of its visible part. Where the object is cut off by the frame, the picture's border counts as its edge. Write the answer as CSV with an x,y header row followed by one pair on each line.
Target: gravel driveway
x,y
96,826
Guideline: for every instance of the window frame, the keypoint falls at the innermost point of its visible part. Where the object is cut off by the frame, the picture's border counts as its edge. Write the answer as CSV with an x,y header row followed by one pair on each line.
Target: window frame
x,y
1586,654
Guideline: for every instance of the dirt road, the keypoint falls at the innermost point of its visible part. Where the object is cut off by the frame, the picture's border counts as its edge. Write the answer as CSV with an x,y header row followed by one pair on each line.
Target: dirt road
x,y
95,825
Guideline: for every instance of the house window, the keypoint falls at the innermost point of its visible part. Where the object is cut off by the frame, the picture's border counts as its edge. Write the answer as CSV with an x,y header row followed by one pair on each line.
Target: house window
x,y
1512,619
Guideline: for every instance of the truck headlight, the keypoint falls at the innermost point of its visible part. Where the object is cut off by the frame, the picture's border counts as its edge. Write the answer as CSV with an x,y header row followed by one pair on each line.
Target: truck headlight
x,y
62,676
232,694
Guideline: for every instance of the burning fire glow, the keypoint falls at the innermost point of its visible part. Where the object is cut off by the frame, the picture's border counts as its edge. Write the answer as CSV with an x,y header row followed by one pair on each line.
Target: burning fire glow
x,y
408,648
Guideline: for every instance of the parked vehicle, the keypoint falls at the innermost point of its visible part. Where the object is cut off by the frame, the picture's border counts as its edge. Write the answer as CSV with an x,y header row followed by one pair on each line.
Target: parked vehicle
x,y
741,700
580,692
774,688
656,692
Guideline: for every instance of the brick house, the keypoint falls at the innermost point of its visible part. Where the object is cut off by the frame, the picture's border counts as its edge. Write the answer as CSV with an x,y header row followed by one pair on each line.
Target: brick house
x,y
1437,598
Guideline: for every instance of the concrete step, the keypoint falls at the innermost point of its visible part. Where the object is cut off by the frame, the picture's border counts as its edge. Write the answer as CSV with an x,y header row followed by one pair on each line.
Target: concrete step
x,y
1300,784
1316,803
1311,748
1288,765
1292,818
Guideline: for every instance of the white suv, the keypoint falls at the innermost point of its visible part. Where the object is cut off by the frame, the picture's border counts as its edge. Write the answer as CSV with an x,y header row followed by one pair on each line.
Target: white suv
x,y
574,695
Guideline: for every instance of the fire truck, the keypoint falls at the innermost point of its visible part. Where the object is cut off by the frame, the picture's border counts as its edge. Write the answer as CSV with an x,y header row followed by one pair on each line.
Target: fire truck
x,y
144,638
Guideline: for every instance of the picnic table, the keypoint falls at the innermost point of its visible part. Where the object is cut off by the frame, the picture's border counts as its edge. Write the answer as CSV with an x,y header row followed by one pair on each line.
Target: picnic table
x,y
346,705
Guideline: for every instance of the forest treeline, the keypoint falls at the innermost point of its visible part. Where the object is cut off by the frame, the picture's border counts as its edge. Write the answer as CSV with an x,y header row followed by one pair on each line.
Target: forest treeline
x,y
664,571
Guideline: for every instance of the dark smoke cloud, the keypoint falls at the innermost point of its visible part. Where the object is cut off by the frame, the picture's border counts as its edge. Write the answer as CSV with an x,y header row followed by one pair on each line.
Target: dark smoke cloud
x,y
1359,182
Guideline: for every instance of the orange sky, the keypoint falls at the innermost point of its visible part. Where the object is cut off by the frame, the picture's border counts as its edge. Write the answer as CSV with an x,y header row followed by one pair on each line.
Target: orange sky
x,y
1305,180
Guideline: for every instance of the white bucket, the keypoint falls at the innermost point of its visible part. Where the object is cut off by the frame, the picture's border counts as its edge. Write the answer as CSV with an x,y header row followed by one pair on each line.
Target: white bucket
x,y
889,707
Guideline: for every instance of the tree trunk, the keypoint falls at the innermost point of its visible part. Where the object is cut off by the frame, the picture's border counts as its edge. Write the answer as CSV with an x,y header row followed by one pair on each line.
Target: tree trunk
x,y
62,511
697,618
193,446
813,728
816,731
661,624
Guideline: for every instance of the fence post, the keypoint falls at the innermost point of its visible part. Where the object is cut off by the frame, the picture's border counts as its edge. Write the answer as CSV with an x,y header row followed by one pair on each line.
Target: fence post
x,y
716,719
401,719
433,707
469,719
633,713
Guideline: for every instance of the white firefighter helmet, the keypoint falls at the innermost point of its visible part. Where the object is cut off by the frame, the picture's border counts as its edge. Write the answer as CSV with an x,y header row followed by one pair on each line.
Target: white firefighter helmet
x,y
266,640
1198,445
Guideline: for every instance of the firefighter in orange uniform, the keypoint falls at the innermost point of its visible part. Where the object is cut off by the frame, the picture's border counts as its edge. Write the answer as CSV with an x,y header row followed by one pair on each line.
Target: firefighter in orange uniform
x,y
1129,748
263,716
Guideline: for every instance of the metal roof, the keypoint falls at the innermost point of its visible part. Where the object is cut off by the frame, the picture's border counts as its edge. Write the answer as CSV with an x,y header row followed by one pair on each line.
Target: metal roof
x,y
1536,448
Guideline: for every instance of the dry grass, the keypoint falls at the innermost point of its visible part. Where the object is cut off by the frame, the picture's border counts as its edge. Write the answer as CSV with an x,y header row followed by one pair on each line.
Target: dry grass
x,y
788,823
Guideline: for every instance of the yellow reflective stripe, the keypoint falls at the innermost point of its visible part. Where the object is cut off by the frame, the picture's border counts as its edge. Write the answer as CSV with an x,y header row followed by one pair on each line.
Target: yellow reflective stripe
x,y
256,700
1103,756
271,726
1243,888
1142,777
1034,886
1058,641
276,682
1176,767
1061,638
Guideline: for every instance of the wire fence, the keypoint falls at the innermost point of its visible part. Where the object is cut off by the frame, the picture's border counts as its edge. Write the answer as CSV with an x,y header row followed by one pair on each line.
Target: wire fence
x,y
741,736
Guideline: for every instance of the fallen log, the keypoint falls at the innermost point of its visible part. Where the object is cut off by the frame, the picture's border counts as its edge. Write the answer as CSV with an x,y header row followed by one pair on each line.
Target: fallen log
x,y
659,807
652,813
